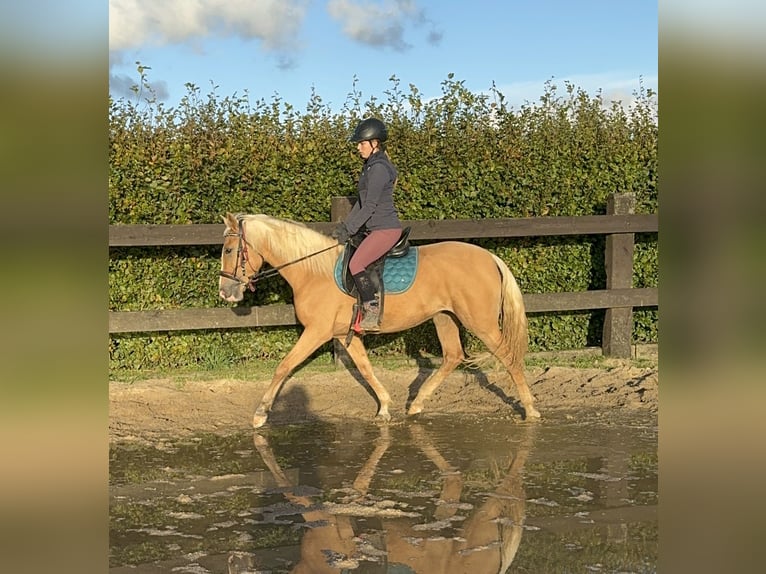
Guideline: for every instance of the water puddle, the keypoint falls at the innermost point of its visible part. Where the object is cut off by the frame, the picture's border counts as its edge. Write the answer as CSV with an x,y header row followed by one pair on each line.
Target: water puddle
x,y
438,495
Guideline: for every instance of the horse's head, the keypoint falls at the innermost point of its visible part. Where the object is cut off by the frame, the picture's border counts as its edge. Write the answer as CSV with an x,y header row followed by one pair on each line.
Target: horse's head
x,y
239,261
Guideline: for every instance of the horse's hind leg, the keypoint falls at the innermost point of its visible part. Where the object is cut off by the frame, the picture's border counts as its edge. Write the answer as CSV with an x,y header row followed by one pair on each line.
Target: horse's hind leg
x,y
520,381
452,351
492,338
308,342
525,395
358,354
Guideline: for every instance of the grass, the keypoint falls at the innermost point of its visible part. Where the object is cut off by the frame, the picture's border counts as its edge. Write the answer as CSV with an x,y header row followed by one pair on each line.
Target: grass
x,y
644,357
261,369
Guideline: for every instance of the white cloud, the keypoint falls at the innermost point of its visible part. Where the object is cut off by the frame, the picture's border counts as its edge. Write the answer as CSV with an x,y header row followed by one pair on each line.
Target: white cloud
x,y
122,86
135,23
380,24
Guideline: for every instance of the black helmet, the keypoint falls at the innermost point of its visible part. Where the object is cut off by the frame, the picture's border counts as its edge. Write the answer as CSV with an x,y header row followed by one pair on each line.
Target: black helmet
x,y
370,129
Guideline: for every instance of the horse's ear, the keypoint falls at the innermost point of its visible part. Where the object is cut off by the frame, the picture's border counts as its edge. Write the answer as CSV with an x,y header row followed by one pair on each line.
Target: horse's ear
x,y
229,220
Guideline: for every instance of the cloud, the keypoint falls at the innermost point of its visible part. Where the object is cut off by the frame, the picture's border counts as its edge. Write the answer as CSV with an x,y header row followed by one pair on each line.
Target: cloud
x,y
135,23
124,86
435,37
120,85
381,24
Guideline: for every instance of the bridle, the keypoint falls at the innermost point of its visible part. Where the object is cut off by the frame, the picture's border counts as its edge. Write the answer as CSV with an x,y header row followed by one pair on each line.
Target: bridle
x,y
243,258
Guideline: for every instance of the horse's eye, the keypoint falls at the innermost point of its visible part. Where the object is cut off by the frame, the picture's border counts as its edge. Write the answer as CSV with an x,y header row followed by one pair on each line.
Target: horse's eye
x,y
228,250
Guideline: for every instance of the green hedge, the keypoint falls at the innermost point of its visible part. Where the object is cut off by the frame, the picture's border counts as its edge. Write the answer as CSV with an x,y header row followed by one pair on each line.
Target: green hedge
x,y
462,155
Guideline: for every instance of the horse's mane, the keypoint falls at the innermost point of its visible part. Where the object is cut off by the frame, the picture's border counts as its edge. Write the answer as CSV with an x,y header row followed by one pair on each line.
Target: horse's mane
x,y
290,240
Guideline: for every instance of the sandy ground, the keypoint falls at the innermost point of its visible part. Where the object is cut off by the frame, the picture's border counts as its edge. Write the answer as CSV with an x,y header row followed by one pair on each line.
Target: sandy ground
x,y
148,409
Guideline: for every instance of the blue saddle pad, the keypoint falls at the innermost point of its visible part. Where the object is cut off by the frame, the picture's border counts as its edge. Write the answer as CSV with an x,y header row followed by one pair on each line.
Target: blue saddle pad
x,y
398,272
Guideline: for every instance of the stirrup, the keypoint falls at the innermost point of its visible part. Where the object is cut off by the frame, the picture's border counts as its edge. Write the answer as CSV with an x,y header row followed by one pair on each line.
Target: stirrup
x,y
353,328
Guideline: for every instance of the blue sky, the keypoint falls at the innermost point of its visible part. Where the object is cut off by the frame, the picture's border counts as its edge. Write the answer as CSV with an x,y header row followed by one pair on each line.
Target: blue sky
x,y
288,47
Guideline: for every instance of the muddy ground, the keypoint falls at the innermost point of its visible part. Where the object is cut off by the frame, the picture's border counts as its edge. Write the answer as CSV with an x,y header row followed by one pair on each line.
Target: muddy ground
x,y
148,409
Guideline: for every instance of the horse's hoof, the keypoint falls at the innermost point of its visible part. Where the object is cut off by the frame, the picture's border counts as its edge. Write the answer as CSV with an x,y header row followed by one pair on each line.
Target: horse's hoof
x,y
383,416
532,413
414,410
259,420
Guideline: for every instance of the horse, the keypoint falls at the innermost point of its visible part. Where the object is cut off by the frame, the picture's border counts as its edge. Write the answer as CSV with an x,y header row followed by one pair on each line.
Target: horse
x,y
456,283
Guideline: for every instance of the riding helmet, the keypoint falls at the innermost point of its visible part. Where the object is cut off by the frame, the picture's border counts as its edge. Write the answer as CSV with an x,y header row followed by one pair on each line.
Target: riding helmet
x,y
370,129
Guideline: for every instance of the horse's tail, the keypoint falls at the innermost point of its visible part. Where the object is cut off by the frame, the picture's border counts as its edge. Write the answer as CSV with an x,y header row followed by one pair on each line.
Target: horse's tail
x,y
513,316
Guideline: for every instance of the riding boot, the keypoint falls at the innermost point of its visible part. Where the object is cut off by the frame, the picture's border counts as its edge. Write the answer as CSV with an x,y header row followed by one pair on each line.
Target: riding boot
x,y
370,316
370,302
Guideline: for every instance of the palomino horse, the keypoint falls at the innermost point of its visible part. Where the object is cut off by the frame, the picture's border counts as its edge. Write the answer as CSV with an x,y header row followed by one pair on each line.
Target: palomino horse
x,y
455,281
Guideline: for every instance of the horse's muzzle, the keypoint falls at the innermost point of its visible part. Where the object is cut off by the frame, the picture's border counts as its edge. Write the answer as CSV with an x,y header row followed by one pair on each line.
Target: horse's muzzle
x,y
229,298
233,289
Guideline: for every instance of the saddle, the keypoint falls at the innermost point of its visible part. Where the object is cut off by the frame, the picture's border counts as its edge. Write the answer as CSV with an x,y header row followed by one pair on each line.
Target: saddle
x,y
400,249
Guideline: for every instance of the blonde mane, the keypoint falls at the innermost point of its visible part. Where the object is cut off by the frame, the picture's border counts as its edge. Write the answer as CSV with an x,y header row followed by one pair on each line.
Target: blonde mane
x,y
290,240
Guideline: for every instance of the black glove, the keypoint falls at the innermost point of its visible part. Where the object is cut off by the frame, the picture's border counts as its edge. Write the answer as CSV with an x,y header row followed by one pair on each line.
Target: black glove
x,y
341,233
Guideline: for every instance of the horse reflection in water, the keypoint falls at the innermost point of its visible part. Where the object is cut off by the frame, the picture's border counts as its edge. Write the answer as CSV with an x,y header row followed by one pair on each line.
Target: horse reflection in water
x,y
488,542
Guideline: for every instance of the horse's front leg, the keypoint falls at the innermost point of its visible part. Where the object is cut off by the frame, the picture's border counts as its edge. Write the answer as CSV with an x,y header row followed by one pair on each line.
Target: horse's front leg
x,y
358,354
309,341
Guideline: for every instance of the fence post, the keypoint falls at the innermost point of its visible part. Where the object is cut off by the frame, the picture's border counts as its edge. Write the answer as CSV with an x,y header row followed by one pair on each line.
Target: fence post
x,y
618,322
339,209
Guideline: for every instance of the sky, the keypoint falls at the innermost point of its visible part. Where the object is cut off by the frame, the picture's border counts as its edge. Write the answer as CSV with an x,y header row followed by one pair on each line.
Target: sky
x,y
287,48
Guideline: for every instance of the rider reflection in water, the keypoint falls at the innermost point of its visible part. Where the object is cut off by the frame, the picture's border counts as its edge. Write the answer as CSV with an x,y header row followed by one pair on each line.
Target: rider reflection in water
x,y
374,212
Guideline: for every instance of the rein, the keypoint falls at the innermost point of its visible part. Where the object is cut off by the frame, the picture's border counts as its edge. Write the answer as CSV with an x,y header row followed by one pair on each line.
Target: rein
x,y
242,258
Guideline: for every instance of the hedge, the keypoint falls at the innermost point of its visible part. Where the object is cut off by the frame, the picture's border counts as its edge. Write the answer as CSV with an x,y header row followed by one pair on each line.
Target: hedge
x,y
462,155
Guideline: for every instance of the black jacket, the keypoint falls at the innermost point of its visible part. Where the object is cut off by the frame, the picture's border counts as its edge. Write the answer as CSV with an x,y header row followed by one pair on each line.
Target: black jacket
x,y
375,207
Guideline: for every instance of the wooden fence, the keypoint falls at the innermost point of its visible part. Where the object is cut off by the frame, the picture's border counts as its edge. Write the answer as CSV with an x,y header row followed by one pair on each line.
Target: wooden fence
x,y
619,298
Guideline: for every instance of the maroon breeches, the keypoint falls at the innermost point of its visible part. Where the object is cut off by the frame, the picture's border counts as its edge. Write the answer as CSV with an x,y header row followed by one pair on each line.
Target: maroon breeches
x,y
374,246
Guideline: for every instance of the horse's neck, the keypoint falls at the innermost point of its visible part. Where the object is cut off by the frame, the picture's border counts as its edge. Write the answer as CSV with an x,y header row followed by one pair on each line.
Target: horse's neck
x,y
277,262
295,268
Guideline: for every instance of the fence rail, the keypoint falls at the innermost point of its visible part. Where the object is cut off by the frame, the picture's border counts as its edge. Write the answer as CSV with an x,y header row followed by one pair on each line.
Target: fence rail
x,y
619,299
212,234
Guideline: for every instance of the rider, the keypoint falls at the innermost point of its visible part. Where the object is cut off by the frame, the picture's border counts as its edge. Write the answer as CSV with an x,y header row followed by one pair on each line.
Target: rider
x,y
373,212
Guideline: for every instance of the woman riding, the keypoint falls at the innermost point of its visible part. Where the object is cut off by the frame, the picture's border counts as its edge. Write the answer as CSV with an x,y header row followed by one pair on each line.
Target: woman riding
x,y
374,212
